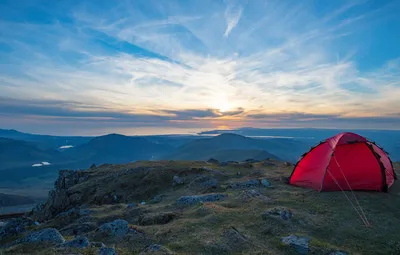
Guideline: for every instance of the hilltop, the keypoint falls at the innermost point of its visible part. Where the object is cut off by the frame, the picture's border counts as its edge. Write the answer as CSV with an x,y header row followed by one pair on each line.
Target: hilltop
x,y
198,207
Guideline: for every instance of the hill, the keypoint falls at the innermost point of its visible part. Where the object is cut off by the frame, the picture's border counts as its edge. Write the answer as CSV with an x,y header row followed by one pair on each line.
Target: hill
x,y
46,141
15,153
114,148
388,139
170,207
201,149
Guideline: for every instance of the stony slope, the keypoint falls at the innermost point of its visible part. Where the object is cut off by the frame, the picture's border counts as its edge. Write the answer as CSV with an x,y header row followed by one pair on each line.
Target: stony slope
x,y
169,207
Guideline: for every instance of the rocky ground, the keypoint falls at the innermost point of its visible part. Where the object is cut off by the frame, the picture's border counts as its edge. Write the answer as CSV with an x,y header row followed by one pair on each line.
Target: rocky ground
x,y
169,207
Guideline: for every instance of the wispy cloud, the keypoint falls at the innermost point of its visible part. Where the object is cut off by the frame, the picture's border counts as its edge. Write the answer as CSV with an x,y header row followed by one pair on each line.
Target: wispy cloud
x,y
233,13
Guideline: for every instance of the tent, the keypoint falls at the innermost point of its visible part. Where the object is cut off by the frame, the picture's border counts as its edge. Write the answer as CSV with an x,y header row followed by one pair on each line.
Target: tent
x,y
346,161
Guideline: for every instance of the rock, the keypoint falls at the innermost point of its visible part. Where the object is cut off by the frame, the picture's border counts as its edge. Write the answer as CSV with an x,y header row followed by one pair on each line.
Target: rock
x,y
107,251
93,166
283,213
157,250
15,227
157,199
59,199
233,240
97,245
117,228
299,243
213,161
338,253
157,218
247,195
251,183
47,235
204,182
265,183
191,200
79,242
177,181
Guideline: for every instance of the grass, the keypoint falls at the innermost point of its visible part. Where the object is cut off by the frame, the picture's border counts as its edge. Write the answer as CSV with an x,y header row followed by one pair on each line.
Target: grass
x,y
327,218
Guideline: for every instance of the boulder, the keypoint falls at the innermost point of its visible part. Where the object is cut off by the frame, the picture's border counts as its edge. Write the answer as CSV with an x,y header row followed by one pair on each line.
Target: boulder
x,y
47,235
157,218
265,183
156,249
192,200
79,242
15,227
116,228
107,251
282,212
300,244
177,181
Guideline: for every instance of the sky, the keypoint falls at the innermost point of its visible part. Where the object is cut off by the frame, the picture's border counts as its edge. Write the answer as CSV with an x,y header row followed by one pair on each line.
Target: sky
x,y
72,67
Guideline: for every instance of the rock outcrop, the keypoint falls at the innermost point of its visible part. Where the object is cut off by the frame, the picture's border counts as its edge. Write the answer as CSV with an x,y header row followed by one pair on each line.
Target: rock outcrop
x,y
60,199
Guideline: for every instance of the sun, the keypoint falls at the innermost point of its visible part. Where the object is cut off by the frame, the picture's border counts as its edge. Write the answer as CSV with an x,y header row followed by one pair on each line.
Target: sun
x,y
223,105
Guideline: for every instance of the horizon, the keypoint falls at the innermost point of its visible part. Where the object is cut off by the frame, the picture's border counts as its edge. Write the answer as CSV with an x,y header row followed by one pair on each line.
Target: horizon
x,y
173,67
195,132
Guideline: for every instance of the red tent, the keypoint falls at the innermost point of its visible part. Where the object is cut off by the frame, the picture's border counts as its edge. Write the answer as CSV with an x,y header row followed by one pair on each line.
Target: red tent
x,y
346,161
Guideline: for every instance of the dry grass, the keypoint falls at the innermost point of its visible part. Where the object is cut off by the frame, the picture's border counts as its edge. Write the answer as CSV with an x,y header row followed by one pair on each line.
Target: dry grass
x,y
328,218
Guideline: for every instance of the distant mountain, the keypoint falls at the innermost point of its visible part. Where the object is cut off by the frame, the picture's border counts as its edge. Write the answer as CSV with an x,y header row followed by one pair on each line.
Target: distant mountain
x,y
388,139
116,148
286,149
15,153
45,141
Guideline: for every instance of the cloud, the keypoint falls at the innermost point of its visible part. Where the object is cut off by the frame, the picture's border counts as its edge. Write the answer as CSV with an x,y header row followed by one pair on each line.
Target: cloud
x,y
233,14
169,64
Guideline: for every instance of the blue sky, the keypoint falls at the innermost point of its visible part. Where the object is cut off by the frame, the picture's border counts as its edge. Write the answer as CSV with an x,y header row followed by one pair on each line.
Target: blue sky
x,y
92,67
